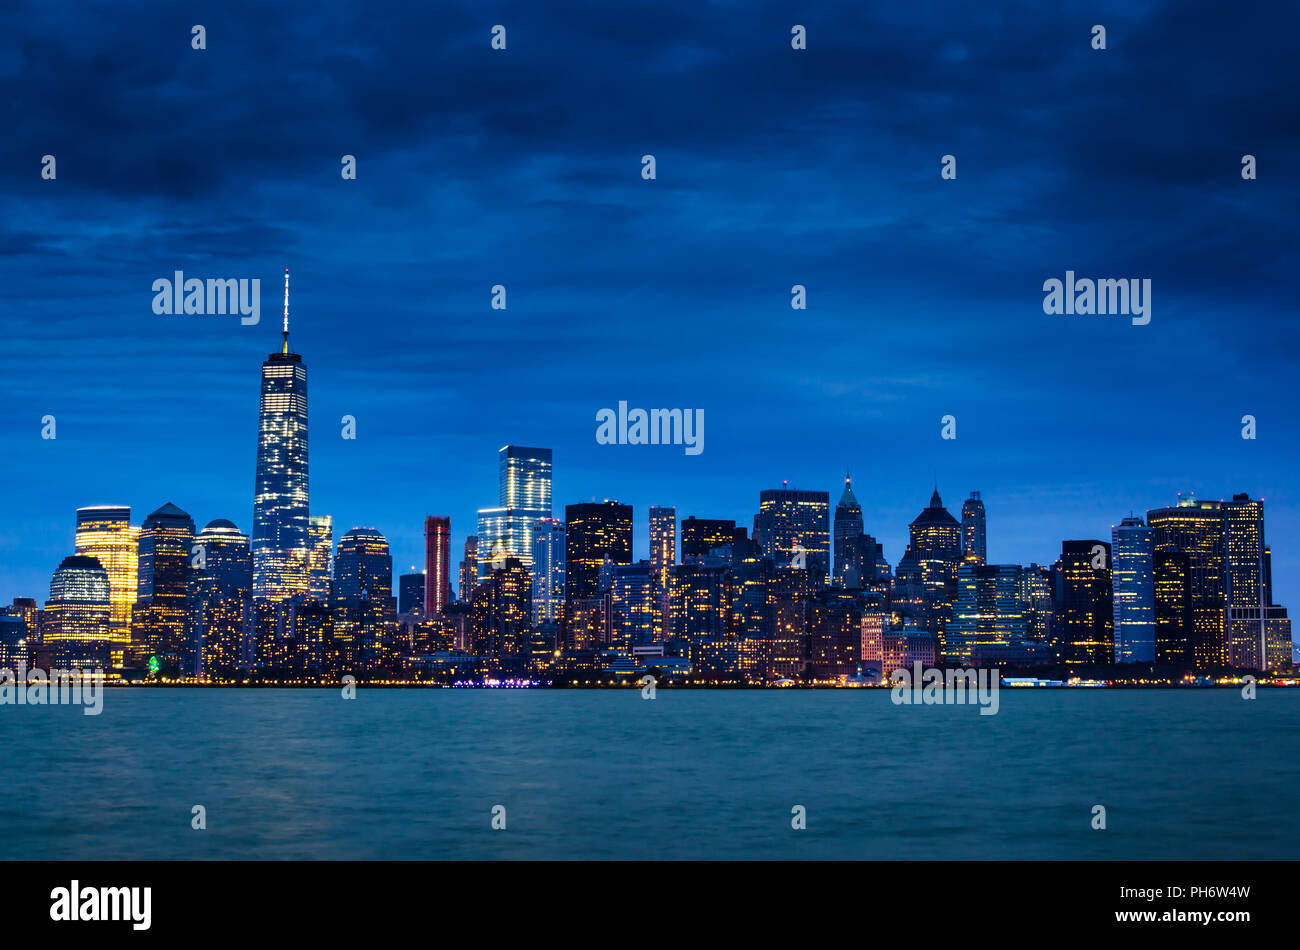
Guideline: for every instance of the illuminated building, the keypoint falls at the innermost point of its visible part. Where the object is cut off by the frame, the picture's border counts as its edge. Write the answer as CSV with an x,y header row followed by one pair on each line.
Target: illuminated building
x,y
594,531
509,592
548,570
697,604
469,569
702,535
973,544
1083,592
632,607
1172,586
1037,597
935,550
1245,588
988,615
874,627
13,638
834,634
1196,528
848,527
523,498
104,532
663,543
220,600
1133,586
280,540
794,529
364,609
903,649
158,619
437,564
320,551
76,624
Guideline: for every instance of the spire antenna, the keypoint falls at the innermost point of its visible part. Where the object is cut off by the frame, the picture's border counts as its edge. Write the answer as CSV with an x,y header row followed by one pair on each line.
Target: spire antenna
x,y
285,335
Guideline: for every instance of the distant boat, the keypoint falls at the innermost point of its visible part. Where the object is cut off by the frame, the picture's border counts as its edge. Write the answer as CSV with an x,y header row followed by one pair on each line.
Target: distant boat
x,y
1029,681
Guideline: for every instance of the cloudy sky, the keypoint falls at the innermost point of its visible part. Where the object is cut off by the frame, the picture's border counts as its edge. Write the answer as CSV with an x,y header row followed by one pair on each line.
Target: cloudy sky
x,y
775,167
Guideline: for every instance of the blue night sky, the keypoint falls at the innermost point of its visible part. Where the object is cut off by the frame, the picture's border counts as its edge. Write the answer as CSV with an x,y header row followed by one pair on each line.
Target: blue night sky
x,y
775,167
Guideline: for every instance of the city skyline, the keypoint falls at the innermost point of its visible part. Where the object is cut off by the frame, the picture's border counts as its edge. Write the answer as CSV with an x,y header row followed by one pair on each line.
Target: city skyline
x,y
924,295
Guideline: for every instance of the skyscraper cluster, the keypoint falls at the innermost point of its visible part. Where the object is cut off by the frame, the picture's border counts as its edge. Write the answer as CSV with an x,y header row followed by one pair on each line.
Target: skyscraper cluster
x,y
803,593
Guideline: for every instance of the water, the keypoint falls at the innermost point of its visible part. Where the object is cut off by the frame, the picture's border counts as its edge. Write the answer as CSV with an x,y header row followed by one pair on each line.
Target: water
x,y
414,774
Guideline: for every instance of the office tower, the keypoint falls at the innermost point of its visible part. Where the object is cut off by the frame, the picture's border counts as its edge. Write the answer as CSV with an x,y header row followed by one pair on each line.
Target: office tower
x,y
935,550
220,600
593,532
469,569
973,547
697,604
523,498
1038,599
988,618
1083,591
663,543
848,527
76,624
1133,584
834,634
363,607
632,607
104,532
158,619
320,552
548,570
437,564
663,555
410,594
703,535
13,638
1196,528
363,565
1172,579
509,616
280,539
794,529
1243,524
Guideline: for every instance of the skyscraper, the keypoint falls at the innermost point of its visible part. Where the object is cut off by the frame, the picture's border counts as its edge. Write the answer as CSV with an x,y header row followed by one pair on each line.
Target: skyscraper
x,y
410,593
594,531
1133,585
220,600
280,518
793,527
1083,590
973,546
469,569
848,526
158,618
1196,528
363,606
320,539
663,543
437,564
1243,523
632,606
702,535
988,619
76,624
523,497
104,532
936,550
548,570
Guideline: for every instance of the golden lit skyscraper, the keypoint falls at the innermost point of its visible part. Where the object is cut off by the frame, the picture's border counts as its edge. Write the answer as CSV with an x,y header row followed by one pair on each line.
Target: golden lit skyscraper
x,y
1196,528
104,532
